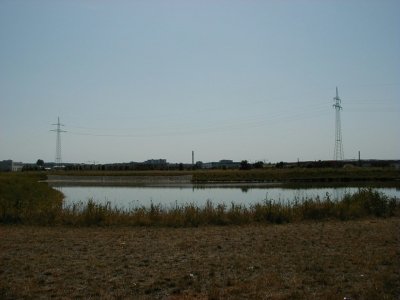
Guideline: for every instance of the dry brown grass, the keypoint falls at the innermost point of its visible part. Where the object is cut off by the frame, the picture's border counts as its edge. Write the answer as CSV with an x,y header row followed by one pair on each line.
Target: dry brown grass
x,y
318,260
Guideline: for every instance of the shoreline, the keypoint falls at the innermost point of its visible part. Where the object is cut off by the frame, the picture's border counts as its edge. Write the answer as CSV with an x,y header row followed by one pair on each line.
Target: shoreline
x,y
150,181
117,180
188,181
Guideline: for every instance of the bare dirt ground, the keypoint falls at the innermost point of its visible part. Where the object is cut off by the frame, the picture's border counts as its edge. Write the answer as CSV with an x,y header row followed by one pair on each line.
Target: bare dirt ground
x,y
324,260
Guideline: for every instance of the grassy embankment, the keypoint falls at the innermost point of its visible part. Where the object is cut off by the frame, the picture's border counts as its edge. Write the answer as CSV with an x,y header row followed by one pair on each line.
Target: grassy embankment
x,y
24,200
299,175
263,175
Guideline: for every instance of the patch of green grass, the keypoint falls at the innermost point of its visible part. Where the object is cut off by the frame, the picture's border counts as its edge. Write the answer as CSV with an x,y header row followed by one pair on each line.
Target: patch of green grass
x,y
23,199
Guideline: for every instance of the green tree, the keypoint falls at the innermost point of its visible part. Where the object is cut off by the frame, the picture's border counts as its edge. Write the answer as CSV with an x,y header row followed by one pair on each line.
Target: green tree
x,y
40,163
258,165
244,165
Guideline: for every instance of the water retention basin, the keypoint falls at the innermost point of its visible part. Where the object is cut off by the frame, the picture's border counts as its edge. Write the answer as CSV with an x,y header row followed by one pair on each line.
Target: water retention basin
x,y
168,196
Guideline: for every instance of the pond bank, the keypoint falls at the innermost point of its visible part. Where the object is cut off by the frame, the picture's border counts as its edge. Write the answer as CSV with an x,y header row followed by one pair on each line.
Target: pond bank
x,y
217,179
267,175
117,180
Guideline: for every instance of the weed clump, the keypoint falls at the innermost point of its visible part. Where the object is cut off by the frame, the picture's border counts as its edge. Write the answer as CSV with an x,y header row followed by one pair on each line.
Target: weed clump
x,y
367,202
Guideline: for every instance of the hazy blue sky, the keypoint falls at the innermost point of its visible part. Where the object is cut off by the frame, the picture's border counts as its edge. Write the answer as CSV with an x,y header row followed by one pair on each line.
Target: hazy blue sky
x,y
255,80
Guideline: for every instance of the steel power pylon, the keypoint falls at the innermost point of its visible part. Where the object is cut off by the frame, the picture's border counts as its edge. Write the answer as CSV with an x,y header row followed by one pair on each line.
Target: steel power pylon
x,y
338,152
58,130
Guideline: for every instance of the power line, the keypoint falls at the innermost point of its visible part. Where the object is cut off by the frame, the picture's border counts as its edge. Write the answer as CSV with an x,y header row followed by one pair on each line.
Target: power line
x,y
254,121
225,127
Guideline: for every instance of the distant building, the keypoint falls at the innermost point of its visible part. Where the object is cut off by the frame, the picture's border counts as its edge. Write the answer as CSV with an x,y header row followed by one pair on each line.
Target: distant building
x,y
156,162
10,166
222,164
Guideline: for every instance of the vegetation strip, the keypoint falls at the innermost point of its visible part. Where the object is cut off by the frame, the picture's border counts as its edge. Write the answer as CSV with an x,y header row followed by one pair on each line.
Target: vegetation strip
x,y
60,179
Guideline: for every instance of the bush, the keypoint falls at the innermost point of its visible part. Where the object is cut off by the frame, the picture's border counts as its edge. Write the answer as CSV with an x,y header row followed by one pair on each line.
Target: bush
x,y
367,202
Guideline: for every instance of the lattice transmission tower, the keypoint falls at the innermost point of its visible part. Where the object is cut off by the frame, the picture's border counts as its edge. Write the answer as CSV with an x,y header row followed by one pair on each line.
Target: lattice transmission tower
x,y
338,152
58,130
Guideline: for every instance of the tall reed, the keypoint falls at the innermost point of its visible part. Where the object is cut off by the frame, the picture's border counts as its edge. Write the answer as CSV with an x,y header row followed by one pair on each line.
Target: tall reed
x,y
362,204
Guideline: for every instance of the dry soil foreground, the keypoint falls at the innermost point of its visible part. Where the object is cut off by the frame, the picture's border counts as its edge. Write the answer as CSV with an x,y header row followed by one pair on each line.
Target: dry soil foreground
x,y
326,260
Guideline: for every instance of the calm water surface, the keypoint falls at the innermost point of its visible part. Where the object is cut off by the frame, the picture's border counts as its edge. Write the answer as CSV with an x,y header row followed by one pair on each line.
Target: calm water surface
x,y
131,197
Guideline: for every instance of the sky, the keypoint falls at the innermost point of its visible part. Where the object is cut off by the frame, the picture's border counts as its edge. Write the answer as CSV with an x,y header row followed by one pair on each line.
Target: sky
x,y
240,80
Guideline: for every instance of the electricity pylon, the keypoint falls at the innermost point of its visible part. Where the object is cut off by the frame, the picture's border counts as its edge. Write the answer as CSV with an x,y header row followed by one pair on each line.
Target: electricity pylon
x,y
58,130
338,152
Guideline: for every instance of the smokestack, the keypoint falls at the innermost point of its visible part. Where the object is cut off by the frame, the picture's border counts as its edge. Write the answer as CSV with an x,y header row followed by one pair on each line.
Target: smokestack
x,y
192,158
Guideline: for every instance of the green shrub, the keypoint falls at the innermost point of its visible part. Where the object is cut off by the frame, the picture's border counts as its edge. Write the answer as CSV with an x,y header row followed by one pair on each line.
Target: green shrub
x,y
367,202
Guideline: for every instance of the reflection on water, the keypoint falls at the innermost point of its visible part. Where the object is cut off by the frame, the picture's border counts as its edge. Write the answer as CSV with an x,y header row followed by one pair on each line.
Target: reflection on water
x,y
131,197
